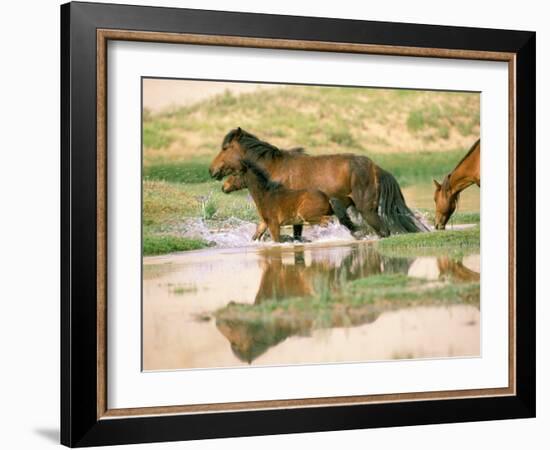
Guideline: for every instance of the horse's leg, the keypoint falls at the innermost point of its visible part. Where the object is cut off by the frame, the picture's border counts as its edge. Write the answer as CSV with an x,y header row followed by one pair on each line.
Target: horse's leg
x,y
368,211
298,232
260,230
275,230
374,220
339,211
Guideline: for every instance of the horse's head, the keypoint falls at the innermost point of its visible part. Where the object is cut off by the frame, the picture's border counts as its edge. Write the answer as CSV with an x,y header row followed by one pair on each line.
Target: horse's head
x,y
228,160
233,183
445,204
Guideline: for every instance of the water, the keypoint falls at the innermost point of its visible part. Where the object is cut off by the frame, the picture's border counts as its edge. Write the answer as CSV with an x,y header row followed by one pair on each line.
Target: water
x,y
226,307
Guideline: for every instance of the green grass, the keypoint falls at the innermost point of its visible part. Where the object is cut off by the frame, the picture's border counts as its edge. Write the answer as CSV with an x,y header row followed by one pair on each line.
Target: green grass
x,y
327,120
158,245
166,204
457,218
446,242
415,121
414,168
156,134
186,172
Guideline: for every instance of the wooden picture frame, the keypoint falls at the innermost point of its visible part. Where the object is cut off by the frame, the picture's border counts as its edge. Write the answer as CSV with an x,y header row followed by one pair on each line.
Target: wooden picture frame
x,y
85,416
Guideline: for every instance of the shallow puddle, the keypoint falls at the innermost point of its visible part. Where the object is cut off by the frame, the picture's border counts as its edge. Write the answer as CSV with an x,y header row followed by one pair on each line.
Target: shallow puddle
x,y
312,303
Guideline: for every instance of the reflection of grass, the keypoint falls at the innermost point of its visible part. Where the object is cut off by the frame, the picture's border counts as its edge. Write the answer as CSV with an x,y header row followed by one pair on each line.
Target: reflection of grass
x,y
358,299
158,245
181,290
399,287
382,281
448,242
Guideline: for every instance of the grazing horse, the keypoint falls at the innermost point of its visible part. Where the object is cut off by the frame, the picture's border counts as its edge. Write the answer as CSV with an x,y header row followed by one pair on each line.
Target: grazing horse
x,y
278,205
447,192
352,179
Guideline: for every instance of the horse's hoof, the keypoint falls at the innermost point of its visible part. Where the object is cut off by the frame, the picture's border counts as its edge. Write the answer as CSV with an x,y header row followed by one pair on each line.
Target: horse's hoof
x,y
359,234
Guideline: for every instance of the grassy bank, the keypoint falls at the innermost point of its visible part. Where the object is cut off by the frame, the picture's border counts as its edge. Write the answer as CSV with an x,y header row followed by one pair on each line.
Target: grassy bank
x,y
162,244
165,204
458,217
447,242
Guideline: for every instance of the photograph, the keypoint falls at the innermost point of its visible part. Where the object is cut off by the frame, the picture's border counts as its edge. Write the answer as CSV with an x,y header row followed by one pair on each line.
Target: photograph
x,y
289,224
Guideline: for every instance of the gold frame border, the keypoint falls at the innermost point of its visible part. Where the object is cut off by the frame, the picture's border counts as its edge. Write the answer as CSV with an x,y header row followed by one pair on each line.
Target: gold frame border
x,y
103,36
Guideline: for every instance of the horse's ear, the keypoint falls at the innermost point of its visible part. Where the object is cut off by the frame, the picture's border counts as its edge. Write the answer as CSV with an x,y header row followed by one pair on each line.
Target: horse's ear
x,y
436,184
238,133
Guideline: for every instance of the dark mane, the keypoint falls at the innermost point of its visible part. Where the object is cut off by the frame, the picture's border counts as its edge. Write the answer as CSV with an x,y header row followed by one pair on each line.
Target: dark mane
x,y
263,178
445,184
467,154
256,148
296,151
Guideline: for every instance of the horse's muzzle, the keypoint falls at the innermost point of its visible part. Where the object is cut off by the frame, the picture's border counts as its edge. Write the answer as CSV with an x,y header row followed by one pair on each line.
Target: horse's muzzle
x,y
216,174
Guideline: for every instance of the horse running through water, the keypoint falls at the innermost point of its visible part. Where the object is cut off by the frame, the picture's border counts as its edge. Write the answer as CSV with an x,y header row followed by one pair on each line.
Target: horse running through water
x,y
278,205
351,179
237,182
447,192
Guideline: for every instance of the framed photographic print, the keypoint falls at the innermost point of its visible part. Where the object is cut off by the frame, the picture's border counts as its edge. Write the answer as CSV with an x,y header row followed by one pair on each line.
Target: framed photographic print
x,y
276,224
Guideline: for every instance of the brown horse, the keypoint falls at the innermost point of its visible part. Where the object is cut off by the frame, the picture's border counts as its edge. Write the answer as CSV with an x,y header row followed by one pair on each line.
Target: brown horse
x,y
278,205
352,179
447,192
233,183
236,182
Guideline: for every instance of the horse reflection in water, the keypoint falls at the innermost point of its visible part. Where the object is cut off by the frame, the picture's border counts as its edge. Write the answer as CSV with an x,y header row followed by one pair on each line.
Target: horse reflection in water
x,y
289,276
303,274
455,270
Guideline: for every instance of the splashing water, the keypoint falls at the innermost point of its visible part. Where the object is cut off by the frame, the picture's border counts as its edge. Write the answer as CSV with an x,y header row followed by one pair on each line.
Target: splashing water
x,y
232,232
235,232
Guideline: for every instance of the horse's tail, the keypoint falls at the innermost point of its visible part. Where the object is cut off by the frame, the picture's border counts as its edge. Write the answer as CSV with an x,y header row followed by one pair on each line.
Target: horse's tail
x,y
392,208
